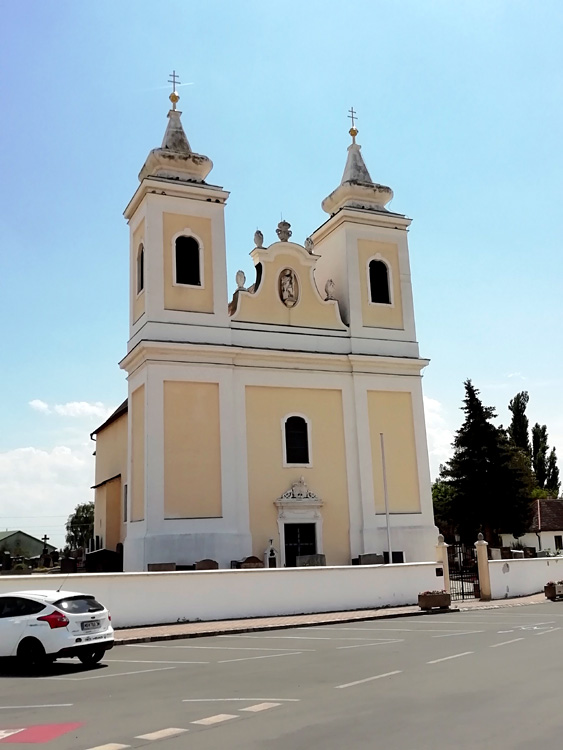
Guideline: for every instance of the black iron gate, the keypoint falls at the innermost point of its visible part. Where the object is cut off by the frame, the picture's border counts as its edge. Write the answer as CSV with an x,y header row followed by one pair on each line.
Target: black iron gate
x,y
464,575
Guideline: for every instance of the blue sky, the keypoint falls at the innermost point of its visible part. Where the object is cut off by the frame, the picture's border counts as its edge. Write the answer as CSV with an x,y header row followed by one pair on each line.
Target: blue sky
x,y
460,107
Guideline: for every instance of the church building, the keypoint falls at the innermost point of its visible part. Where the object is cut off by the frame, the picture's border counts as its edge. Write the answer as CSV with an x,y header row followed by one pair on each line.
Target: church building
x,y
290,415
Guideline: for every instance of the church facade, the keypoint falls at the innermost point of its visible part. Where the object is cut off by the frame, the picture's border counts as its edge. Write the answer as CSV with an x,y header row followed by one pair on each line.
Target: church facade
x,y
290,416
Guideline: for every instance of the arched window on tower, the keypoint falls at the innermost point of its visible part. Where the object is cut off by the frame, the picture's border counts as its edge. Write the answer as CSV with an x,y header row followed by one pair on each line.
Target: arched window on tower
x,y
140,268
379,282
296,435
187,261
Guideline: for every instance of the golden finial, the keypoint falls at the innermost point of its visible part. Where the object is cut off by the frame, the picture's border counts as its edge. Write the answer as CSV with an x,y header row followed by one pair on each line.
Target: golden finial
x,y
174,96
353,130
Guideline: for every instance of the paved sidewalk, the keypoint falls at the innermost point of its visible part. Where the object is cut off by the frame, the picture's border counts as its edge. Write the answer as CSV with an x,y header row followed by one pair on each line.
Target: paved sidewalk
x,y
219,627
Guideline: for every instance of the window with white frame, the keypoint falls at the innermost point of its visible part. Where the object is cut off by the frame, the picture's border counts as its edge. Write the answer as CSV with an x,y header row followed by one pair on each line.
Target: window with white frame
x,y
380,292
187,261
140,268
296,441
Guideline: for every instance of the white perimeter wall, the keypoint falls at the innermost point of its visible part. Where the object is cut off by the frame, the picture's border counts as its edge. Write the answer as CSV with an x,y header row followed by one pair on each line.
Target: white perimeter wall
x,y
523,577
155,598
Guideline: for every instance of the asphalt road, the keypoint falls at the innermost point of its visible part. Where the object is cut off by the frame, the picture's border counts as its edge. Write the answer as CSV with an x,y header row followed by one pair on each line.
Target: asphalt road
x,y
483,679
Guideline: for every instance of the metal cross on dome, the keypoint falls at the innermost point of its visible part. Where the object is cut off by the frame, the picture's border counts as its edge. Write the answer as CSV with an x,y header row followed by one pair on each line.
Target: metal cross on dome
x,y
173,80
353,115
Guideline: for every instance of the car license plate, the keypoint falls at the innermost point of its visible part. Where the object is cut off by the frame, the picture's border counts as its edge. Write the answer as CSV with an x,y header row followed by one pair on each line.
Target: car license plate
x,y
91,625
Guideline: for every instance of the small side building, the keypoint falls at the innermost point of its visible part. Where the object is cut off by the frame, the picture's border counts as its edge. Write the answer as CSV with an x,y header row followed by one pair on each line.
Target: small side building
x,y
546,527
110,500
20,544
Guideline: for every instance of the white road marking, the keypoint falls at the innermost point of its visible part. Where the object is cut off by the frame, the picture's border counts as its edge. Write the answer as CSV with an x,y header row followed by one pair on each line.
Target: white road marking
x,y
462,632
365,645
368,679
43,705
100,676
505,643
150,661
228,648
547,631
265,656
260,707
217,719
445,658
244,700
161,734
299,637
110,746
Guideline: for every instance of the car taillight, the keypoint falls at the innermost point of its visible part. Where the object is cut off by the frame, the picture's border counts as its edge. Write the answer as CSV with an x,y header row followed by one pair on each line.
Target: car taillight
x,y
109,616
55,620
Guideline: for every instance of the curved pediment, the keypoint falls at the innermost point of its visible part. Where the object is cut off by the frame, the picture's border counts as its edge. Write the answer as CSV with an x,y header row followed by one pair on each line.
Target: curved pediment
x,y
285,292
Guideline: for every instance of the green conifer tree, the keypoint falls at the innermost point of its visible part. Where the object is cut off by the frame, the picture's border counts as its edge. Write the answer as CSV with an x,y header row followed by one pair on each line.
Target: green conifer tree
x,y
518,428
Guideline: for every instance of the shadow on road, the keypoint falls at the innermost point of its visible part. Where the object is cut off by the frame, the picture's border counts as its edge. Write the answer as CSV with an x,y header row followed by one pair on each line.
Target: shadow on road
x,y
14,668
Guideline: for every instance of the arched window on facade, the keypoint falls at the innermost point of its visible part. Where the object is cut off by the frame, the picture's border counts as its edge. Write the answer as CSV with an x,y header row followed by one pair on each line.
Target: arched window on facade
x,y
140,268
296,441
379,282
187,262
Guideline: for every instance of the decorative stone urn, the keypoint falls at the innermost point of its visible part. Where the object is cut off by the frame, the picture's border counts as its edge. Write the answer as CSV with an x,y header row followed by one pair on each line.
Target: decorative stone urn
x,y
428,600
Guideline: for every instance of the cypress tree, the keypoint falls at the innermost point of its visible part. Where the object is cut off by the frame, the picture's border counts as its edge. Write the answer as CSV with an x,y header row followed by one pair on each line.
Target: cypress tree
x,y
539,453
518,428
552,483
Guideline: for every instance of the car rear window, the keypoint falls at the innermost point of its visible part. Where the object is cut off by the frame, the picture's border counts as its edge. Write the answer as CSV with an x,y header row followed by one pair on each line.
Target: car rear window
x,y
79,605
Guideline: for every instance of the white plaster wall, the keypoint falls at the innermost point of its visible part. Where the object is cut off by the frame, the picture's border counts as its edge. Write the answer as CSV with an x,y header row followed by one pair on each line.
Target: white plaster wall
x,y
156,598
523,577
531,540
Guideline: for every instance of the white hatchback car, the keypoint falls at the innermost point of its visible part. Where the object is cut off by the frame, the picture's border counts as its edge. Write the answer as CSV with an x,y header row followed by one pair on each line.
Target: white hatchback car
x,y
41,626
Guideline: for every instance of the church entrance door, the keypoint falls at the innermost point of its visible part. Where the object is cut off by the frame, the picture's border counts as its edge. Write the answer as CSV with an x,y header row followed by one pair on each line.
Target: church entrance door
x,y
300,539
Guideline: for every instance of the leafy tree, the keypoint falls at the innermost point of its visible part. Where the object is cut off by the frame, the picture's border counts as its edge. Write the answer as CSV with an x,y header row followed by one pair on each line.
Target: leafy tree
x,y
80,526
539,453
443,502
518,428
552,482
488,476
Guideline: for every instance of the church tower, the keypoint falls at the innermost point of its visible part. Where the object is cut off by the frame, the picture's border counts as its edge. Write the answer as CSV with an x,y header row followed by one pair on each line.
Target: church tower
x,y
177,243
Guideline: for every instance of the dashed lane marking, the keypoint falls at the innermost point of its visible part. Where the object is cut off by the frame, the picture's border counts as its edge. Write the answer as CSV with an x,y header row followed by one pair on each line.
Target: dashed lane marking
x,y
42,705
101,676
369,679
463,632
300,637
5,733
217,719
260,707
453,656
150,661
381,643
244,700
547,631
161,734
505,643
264,656
227,648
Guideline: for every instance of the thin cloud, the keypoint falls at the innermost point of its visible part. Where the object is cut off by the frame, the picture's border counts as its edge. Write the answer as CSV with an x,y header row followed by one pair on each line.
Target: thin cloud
x,y
73,409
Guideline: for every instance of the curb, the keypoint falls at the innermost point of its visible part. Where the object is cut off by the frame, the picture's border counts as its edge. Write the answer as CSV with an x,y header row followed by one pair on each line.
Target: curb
x,y
309,624
281,626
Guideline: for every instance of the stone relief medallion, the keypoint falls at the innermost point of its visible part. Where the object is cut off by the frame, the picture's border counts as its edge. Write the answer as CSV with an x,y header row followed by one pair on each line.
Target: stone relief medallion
x,y
288,287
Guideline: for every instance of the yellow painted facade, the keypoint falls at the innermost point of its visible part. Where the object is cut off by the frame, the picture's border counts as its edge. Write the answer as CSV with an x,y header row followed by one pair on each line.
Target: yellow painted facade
x,y
391,413
266,408
137,408
380,315
180,297
111,474
192,450
138,298
265,305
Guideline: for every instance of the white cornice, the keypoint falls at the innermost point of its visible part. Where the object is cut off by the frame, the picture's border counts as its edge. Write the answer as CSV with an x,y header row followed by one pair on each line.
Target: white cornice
x,y
180,354
386,220
170,188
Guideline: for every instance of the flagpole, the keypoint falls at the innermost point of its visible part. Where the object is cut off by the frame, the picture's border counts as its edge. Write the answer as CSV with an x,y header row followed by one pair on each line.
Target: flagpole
x,y
385,495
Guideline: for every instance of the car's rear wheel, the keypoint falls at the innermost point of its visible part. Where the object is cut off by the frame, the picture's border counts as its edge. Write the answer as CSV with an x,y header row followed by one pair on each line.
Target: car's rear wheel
x,y
92,656
32,654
